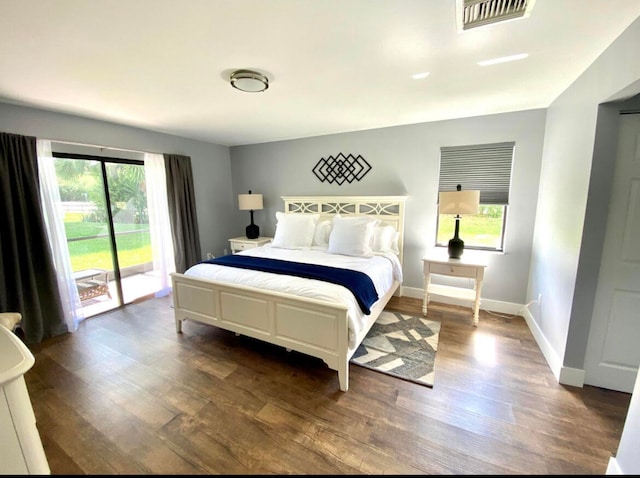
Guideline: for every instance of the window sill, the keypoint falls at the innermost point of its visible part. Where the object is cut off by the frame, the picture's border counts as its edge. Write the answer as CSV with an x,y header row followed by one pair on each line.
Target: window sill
x,y
474,250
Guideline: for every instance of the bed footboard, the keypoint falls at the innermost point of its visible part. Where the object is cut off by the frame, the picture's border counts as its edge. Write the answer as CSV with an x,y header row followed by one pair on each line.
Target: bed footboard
x,y
309,326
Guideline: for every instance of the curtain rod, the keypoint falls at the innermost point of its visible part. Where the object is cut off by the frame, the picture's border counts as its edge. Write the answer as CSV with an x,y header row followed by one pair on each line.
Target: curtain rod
x,y
113,148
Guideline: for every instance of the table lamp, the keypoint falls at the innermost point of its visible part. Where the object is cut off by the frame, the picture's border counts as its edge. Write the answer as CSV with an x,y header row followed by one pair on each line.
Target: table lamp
x,y
250,202
458,202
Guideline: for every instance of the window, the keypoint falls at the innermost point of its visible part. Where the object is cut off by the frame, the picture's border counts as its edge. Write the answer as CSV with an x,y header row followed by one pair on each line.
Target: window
x,y
484,167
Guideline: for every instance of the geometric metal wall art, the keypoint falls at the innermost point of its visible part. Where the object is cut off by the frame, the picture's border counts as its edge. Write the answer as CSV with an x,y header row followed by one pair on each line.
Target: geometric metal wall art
x,y
341,168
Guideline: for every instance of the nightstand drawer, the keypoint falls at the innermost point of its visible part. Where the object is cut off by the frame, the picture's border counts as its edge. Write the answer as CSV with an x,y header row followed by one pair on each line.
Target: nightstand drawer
x,y
241,246
452,270
242,243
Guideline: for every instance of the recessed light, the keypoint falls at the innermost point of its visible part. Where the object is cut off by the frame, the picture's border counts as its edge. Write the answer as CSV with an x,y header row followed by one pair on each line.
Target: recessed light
x,y
503,59
419,76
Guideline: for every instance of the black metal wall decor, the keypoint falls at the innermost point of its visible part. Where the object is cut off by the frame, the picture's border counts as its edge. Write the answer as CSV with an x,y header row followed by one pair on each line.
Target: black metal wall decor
x,y
341,168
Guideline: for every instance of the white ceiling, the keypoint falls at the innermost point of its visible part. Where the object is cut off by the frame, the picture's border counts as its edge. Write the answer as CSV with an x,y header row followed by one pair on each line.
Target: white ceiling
x,y
333,65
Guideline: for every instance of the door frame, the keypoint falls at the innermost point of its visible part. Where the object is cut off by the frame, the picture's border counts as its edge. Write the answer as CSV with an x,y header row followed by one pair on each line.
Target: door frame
x,y
599,325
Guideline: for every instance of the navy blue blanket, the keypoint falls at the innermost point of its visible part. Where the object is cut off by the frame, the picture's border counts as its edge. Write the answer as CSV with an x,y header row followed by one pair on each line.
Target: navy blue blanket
x,y
359,283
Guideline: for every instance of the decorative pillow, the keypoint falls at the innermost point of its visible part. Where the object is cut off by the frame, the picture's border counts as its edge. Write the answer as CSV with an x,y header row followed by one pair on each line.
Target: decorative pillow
x,y
352,235
321,234
294,231
385,239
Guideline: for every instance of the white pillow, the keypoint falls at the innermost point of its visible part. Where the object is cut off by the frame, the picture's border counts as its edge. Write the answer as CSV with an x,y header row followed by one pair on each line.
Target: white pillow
x,y
352,235
385,239
294,231
321,234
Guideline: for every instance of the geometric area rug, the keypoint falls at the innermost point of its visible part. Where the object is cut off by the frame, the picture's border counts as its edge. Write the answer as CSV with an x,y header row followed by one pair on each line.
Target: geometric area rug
x,y
402,346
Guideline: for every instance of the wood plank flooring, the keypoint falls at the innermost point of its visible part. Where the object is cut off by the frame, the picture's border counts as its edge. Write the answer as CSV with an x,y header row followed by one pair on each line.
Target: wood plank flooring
x,y
126,394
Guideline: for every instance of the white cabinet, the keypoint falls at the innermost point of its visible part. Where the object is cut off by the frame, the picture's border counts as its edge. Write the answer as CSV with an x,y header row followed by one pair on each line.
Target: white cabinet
x,y
21,450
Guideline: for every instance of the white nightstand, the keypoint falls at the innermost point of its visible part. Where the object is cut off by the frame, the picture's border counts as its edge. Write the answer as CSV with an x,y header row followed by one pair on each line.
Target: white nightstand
x,y
470,267
242,243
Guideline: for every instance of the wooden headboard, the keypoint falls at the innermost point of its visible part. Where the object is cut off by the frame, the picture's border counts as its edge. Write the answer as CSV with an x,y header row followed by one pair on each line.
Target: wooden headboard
x,y
387,209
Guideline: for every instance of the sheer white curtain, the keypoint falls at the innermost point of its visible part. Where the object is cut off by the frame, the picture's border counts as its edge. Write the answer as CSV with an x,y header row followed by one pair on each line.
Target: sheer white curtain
x,y
54,221
159,225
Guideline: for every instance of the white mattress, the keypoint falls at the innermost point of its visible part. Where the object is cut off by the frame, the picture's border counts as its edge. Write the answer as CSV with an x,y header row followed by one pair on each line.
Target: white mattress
x,y
382,268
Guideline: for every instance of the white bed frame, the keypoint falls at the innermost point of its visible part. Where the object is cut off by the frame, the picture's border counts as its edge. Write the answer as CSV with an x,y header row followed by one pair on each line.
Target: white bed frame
x,y
313,327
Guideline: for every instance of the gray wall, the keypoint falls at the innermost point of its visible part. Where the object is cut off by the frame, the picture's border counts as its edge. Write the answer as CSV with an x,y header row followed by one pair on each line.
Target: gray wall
x,y
405,161
210,162
575,185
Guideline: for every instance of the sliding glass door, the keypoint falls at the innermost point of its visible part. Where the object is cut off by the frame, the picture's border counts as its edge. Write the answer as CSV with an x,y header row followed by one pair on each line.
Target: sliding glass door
x,y
106,219
130,217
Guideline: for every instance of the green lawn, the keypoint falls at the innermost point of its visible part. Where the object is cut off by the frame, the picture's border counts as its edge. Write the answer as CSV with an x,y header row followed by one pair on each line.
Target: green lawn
x,y
93,253
477,230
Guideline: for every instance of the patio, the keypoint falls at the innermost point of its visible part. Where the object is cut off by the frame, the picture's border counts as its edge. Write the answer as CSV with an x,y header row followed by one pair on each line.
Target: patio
x,y
134,287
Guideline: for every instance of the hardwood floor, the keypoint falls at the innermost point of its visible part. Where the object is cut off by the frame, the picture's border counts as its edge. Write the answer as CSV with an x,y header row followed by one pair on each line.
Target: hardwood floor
x,y
126,394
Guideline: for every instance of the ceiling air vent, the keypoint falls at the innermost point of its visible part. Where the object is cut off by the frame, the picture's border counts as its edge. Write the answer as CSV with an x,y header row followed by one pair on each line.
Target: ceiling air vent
x,y
477,13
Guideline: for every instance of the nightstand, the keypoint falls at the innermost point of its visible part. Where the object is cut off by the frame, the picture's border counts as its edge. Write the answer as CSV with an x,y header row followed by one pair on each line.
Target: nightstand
x,y
469,267
242,243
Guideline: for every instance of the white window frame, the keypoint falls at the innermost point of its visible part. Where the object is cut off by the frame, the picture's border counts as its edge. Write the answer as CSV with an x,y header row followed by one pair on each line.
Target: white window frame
x,y
484,167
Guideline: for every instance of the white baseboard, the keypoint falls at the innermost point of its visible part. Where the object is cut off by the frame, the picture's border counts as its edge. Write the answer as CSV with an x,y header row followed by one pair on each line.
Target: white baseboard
x,y
412,292
565,375
486,304
573,377
547,351
613,468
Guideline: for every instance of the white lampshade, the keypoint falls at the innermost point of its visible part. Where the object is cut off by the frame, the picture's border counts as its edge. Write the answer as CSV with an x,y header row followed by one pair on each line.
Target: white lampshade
x,y
250,202
459,202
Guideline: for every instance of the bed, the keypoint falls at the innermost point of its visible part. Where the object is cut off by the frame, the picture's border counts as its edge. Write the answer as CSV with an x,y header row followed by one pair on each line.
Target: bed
x,y
323,320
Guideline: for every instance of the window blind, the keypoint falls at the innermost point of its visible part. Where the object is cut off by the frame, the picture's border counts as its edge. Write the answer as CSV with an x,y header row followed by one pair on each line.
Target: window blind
x,y
485,167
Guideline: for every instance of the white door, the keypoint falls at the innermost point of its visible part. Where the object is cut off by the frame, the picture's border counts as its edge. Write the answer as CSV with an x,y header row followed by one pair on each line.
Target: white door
x,y
613,350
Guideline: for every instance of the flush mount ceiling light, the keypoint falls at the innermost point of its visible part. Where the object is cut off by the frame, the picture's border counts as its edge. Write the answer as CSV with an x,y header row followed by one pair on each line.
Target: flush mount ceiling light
x,y
249,81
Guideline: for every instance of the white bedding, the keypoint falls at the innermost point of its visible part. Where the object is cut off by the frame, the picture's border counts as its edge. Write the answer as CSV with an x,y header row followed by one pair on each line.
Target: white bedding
x,y
382,268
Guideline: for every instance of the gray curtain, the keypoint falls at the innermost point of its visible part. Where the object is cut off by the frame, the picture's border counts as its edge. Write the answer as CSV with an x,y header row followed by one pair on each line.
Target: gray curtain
x,y
27,275
182,211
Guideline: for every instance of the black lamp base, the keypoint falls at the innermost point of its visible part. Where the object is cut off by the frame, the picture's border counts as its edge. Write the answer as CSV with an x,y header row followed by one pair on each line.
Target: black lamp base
x,y
456,248
456,245
252,231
